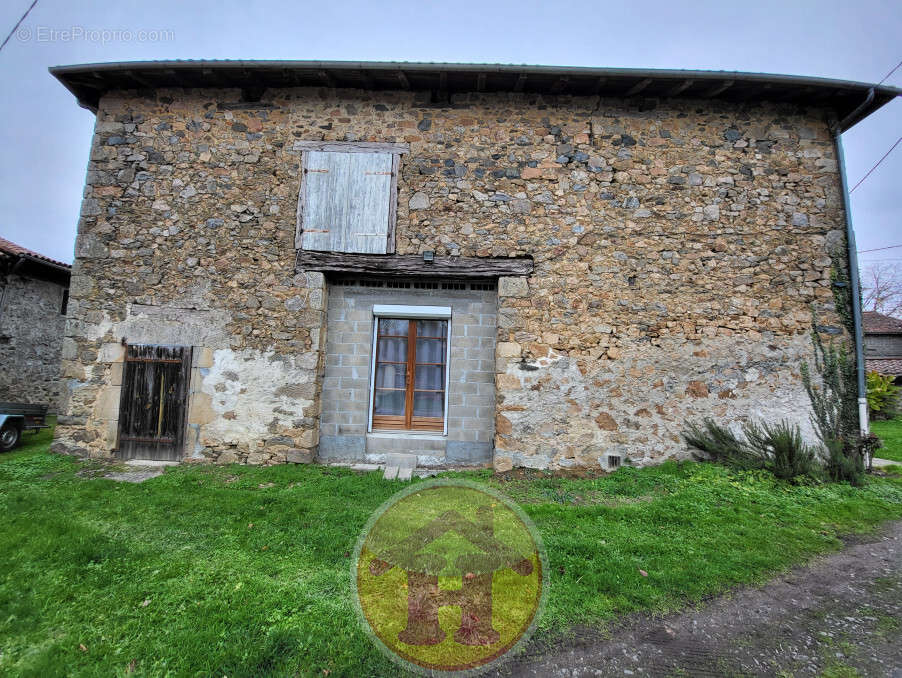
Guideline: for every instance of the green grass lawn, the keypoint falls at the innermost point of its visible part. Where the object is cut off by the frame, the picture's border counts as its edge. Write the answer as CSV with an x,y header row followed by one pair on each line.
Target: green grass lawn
x,y
890,432
242,571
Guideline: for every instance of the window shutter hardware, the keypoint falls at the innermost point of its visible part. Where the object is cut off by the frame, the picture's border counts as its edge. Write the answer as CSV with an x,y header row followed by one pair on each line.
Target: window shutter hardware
x,y
381,174
316,230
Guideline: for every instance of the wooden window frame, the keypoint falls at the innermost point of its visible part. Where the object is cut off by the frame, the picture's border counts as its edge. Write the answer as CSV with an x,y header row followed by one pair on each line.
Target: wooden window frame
x,y
407,423
396,151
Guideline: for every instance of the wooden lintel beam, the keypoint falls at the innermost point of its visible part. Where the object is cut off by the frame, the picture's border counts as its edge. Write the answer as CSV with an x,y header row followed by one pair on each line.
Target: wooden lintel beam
x,y
521,82
412,265
638,87
719,89
480,82
402,78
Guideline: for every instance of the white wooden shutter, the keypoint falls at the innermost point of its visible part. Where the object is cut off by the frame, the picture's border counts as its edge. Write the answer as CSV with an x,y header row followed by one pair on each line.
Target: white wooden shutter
x,y
323,202
346,201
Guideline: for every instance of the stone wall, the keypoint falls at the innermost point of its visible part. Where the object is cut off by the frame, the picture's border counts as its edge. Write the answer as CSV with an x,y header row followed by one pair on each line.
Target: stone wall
x,y
679,249
31,336
471,388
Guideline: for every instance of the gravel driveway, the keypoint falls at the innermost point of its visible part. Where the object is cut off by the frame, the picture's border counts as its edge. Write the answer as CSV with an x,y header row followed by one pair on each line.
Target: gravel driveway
x,y
840,615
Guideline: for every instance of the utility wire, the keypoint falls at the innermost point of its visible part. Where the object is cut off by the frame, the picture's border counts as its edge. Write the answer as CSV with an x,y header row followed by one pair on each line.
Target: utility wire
x,y
876,165
31,7
876,249
889,74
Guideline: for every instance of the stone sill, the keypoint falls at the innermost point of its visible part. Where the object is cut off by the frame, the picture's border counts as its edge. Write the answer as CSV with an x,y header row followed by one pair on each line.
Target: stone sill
x,y
402,434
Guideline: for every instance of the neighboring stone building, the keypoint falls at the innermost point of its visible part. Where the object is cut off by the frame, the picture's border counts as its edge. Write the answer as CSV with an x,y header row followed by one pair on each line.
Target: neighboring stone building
x,y
883,344
34,290
559,266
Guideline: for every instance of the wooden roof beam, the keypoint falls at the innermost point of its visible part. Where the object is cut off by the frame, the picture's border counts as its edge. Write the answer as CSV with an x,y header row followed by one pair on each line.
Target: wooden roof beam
x,y
521,82
638,87
718,89
676,90
326,79
560,85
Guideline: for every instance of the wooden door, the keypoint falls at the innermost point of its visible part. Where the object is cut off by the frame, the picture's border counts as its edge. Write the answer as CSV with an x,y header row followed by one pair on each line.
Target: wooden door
x,y
154,402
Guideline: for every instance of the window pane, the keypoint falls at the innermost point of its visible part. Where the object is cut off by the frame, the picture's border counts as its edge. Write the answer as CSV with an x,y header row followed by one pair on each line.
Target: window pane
x,y
430,350
392,350
431,328
391,376
393,326
428,404
389,402
430,377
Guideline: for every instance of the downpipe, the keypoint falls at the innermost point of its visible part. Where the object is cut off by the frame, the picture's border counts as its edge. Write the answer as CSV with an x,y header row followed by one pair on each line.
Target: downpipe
x,y
854,279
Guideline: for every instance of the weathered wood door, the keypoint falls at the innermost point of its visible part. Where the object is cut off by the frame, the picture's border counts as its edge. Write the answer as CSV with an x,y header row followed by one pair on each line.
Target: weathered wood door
x,y
154,402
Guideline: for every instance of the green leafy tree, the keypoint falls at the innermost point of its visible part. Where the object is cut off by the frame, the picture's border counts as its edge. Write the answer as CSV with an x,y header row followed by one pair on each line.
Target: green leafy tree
x,y
883,395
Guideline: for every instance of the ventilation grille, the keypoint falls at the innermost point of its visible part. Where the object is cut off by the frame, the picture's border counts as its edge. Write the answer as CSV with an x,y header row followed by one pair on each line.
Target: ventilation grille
x,y
453,285
613,461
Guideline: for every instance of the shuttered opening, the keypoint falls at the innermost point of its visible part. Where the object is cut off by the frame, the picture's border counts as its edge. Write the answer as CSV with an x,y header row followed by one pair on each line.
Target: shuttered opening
x,y
346,201
153,402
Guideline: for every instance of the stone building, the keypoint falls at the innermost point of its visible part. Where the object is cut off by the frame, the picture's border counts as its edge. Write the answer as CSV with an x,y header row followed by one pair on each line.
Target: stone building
x,y
883,344
556,267
34,292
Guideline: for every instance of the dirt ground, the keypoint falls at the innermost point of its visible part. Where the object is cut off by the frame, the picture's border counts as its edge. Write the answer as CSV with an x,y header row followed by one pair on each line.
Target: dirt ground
x,y
839,617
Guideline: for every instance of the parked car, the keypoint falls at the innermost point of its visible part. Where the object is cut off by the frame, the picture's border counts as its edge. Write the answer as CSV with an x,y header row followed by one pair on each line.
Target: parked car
x,y
16,418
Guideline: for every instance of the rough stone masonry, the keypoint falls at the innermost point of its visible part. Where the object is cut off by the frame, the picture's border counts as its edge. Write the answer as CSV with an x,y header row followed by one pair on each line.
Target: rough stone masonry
x,y
680,247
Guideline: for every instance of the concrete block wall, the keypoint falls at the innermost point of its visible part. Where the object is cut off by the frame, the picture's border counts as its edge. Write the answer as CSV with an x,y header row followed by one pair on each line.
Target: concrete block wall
x,y
348,360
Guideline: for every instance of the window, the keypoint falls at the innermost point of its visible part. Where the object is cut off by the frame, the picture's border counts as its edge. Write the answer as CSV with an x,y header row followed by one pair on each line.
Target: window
x,y
348,196
410,368
64,305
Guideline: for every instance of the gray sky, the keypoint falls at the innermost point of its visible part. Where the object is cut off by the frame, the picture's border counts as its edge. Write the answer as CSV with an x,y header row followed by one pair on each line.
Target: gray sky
x,y
46,136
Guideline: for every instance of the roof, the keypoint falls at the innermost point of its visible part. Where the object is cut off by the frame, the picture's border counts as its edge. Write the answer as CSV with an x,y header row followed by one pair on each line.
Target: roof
x,y
880,323
88,82
891,366
12,248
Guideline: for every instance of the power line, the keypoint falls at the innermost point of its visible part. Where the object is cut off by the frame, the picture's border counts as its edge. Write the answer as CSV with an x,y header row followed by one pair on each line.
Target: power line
x,y
877,249
19,23
875,165
889,74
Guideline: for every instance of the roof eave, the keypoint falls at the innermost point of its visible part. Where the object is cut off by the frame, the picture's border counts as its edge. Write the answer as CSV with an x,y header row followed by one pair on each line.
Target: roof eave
x,y
184,73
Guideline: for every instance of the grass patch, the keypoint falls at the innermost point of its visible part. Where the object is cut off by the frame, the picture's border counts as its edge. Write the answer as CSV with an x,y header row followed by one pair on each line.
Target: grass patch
x,y
244,571
890,432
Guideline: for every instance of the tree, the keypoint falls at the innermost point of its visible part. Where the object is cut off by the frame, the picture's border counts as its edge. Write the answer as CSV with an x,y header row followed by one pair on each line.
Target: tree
x,y
881,288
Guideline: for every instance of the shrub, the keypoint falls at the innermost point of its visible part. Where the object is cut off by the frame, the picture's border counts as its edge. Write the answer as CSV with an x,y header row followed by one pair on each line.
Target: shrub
x,y
721,444
781,448
882,396
843,465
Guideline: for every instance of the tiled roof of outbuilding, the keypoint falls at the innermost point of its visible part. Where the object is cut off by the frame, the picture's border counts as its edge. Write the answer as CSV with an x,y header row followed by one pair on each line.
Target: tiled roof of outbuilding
x,y
880,323
12,248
